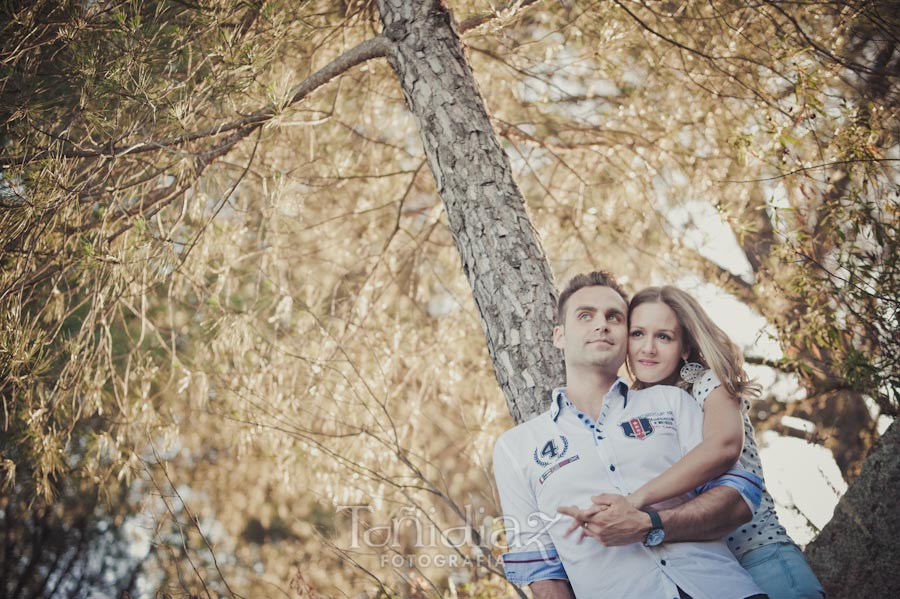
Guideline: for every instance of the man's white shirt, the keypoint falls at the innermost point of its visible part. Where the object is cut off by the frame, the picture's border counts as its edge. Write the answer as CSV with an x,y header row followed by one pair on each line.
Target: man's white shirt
x,y
563,457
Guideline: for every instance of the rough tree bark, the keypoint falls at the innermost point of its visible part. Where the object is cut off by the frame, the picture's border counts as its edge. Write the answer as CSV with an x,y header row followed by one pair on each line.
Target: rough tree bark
x,y
501,254
856,554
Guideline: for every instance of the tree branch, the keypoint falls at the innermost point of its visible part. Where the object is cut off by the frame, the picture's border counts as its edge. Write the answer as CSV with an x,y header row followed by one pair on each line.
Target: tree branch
x,y
785,366
512,8
730,282
376,47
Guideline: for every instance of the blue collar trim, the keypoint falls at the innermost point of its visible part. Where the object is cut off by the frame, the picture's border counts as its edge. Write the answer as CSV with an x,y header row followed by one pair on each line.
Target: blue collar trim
x,y
559,396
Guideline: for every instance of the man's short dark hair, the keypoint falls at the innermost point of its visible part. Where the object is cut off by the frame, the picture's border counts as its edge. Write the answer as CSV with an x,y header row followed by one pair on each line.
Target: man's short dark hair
x,y
597,278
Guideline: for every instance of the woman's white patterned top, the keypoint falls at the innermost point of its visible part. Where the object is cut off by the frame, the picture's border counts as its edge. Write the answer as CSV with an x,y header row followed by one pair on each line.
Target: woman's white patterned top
x,y
765,527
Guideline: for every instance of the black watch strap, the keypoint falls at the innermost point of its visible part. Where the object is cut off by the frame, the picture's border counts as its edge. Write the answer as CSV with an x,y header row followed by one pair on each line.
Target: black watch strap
x,y
656,534
655,520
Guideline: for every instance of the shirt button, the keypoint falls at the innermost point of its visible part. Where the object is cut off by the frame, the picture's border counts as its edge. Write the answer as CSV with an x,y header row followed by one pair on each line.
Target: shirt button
x,y
663,562
612,467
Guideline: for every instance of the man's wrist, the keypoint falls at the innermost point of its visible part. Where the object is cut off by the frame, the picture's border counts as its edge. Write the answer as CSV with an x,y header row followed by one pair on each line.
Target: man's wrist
x,y
706,517
656,533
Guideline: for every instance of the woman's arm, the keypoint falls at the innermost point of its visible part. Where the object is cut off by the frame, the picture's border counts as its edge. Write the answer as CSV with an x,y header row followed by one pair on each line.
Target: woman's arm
x,y
723,438
613,521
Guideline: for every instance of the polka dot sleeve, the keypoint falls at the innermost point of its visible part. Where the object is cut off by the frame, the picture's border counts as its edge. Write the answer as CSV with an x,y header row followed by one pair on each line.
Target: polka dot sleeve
x,y
765,527
706,384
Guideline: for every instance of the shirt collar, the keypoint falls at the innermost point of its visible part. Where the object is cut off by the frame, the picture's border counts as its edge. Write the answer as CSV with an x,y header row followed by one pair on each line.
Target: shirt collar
x,y
560,399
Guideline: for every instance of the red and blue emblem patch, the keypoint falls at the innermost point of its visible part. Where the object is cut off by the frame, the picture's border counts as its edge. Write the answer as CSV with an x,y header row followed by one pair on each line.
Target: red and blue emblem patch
x,y
637,428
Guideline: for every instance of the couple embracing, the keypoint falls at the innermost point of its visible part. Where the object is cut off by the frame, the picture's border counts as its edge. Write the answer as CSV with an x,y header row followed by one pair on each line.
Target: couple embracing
x,y
652,490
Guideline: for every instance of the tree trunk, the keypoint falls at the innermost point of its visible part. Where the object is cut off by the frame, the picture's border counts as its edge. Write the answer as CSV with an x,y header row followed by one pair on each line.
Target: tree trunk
x,y
856,555
501,254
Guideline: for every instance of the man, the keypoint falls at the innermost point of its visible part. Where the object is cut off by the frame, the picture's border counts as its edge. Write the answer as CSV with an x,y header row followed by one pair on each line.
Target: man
x,y
593,440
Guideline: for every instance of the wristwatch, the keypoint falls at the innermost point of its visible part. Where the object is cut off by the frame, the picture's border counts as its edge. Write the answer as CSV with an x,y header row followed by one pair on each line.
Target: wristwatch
x,y
656,534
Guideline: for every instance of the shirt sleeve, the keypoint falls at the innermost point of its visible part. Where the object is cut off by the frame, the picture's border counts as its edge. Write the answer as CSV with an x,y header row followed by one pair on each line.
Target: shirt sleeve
x,y
749,485
689,423
704,385
532,555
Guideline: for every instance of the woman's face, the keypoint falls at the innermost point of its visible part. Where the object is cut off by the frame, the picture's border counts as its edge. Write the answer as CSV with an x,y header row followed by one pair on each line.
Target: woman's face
x,y
655,343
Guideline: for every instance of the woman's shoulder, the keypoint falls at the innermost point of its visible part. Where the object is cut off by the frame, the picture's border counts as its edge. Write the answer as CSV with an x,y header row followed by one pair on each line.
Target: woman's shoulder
x,y
705,384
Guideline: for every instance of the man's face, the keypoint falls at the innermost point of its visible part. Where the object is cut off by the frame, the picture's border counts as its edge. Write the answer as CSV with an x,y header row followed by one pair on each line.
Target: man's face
x,y
595,332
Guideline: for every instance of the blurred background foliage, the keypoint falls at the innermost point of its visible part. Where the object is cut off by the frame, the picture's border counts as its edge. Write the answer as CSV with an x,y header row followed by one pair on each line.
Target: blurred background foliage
x,y
228,316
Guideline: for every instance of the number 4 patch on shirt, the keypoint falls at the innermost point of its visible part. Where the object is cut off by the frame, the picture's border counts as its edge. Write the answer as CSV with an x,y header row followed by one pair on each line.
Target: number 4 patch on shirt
x,y
551,451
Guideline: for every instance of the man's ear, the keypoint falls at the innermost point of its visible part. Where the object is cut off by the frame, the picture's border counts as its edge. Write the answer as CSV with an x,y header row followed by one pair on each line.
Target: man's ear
x,y
559,336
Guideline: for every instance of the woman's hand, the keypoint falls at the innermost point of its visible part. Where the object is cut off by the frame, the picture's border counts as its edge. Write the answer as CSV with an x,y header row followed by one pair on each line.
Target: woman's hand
x,y
611,520
582,518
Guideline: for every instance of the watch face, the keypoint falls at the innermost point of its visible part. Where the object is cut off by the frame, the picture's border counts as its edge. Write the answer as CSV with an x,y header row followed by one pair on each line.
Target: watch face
x,y
654,537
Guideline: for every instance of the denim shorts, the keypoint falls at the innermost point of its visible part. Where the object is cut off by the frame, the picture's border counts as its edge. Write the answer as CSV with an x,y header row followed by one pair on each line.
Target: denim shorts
x,y
782,572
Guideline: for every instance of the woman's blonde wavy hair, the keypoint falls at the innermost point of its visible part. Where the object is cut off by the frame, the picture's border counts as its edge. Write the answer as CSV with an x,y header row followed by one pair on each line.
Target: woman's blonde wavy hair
x,y
706,343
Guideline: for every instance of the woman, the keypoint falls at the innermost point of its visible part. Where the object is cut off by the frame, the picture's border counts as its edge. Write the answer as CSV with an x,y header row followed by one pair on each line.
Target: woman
x,y
672,341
